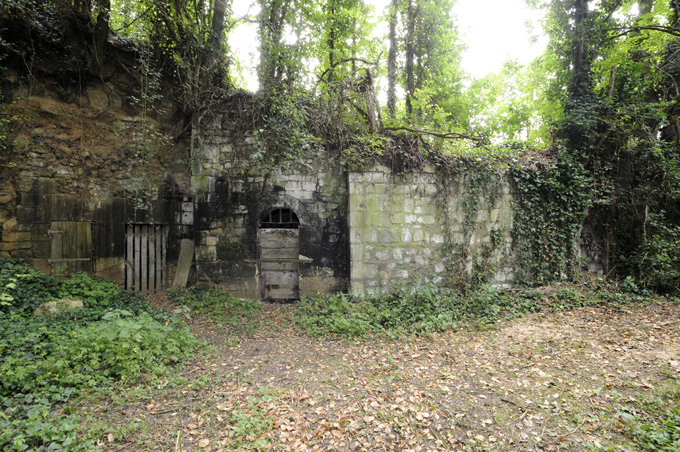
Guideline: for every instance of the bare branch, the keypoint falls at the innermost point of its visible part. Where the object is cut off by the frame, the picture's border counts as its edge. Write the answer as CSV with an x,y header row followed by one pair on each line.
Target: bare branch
x,y
627,30
346,60
446,136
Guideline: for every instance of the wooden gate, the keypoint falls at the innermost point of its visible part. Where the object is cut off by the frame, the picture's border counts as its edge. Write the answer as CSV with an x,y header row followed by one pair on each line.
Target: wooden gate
x,y
70,246
145,257
279,264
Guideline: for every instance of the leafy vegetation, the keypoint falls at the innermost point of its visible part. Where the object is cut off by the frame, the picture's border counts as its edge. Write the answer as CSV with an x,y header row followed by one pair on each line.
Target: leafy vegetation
x,y
429,309
221,306
45,361
661,438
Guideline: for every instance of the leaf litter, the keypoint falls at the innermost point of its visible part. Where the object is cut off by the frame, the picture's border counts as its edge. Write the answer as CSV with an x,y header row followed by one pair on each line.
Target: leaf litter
x,y
565,380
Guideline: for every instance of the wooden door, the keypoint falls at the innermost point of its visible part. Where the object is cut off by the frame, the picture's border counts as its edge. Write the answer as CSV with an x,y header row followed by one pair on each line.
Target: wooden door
x,y
70,246
279,267
145,257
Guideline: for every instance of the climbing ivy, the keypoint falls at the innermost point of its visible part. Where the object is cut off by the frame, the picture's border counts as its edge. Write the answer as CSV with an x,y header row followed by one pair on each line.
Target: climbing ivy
x,y
550,203
481,181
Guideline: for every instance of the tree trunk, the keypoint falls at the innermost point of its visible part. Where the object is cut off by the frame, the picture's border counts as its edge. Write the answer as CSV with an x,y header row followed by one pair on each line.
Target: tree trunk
x,y
392,61
101,33
370,102
218,24
272,18
331,44
412,11
581,74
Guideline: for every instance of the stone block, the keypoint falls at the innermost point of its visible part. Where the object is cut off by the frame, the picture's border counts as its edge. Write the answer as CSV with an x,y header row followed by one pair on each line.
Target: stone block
x,y
401,275
383,255
406,236
386,236
206,254
427,219
309,186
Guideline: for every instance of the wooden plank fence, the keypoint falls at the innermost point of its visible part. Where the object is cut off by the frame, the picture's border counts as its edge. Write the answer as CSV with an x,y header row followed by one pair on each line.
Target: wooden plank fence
x,y
145,257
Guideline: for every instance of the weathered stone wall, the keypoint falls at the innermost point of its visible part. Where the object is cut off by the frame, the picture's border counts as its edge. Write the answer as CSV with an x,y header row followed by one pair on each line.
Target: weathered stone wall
x,y
232,193
87,164
91,166
427,228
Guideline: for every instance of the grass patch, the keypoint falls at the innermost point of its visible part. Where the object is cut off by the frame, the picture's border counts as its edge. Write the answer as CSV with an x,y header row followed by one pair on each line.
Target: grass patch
x,y
222,307
45,361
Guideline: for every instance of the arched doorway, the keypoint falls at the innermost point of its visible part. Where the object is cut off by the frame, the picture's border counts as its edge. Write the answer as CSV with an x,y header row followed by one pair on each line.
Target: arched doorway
x,y
279,247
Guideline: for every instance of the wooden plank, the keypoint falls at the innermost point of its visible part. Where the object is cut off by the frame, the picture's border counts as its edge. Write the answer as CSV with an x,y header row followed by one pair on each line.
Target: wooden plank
x,y
83,245
281,293
279,238
56,234
279,268
164,259
138,257
129,256
186,257
160,265
152,257
280,278
144,275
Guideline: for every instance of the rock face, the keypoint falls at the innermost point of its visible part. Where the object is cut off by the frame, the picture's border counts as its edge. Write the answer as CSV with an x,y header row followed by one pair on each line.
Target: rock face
x,y
50,308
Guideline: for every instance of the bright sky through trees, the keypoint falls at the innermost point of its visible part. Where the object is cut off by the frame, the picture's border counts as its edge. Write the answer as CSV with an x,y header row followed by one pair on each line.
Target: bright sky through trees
x,y
493,30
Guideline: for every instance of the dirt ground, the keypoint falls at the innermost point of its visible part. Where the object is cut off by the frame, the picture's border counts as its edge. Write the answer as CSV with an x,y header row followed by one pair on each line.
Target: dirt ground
x,y
563,381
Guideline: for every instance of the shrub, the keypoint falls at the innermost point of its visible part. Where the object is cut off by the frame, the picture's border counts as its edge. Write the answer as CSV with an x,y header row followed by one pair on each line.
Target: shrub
x,y
44,361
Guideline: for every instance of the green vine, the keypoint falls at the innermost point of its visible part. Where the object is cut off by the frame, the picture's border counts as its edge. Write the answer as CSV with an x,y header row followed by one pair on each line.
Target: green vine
x,y
482,187
550,203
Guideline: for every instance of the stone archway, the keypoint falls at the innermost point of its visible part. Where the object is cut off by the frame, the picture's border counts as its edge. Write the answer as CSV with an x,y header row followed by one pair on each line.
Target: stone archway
x,y
279,249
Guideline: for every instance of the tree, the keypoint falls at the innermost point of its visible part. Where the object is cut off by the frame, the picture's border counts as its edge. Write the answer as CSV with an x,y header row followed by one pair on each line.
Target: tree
x,y
618,74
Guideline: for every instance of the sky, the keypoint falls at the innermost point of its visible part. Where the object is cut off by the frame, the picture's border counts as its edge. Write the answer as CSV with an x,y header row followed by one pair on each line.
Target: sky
x,y
493,30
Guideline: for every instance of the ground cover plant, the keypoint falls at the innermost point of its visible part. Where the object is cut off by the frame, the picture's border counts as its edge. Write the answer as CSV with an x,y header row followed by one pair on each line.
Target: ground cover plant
x,y
428,308
45,361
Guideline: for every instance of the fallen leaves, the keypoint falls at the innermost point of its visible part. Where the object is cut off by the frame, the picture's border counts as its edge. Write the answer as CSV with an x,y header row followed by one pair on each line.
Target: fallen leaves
x,y
536,383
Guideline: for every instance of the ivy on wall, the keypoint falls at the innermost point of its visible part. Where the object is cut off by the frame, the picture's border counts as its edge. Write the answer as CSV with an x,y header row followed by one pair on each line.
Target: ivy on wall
x,y
481,182
550,204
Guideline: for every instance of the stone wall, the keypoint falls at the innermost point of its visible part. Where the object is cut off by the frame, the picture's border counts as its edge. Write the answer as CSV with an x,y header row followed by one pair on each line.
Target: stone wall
x,y
83,173
86,165
232,192
424,228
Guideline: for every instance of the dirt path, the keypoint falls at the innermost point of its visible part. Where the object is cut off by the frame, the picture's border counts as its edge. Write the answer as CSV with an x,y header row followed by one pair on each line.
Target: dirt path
x,y
565,381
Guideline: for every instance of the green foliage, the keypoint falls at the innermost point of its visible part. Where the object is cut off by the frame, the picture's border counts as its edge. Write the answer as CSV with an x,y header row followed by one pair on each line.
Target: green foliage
x,y
8,124
221,306
550,205
31,423
45,361
284,136
658,259
661,438
427,309
422,310
249,426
